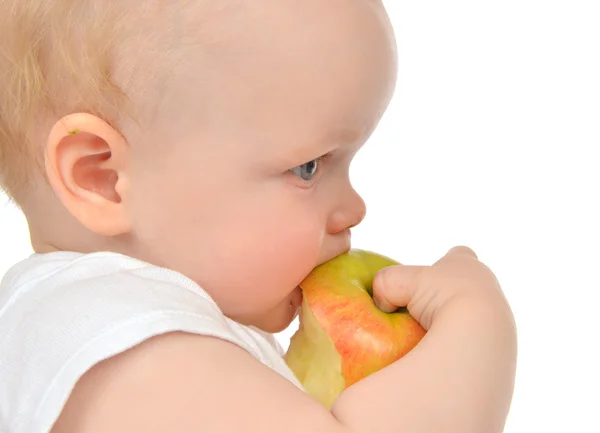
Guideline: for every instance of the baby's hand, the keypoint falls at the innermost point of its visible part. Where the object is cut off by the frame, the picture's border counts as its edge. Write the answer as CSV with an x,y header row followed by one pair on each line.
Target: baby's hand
x,y
460,377
427,290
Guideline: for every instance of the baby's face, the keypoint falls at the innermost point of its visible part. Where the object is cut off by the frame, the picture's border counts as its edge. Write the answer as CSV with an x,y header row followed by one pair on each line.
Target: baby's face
x,y
248,189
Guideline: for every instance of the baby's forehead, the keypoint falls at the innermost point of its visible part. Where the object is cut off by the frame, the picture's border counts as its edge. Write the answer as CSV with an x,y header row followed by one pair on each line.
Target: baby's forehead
x,y
298,66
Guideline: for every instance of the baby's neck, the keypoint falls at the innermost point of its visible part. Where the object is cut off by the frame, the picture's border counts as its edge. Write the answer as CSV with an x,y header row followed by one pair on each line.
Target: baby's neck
x,y
52,228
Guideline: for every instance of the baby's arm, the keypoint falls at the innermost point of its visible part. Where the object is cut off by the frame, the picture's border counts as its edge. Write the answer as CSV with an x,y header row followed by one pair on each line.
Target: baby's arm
x,y
457,380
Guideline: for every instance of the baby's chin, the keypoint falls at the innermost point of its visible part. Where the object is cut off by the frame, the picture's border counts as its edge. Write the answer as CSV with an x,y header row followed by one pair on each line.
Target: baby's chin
x,y
280,317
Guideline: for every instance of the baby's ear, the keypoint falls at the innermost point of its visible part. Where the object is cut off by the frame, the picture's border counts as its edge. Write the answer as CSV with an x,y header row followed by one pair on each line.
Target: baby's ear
x,y
86,165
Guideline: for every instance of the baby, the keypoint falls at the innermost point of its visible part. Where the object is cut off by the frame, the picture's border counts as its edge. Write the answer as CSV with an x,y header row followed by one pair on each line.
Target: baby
x,y
183,165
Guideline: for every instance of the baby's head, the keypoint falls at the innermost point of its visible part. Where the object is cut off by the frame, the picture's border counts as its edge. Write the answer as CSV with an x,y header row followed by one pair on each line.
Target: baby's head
x,y
211,138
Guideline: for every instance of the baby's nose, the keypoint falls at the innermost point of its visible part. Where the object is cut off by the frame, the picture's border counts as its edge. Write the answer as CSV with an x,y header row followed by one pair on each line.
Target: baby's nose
x,y
351,211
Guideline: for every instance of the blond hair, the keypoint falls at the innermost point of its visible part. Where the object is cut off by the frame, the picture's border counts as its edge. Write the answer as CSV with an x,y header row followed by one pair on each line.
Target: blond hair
x,y
56,57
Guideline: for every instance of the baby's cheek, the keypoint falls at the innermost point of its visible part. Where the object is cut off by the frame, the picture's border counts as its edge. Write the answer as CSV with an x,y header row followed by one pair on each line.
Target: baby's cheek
x,y
296,249
274,264
250,267
280,256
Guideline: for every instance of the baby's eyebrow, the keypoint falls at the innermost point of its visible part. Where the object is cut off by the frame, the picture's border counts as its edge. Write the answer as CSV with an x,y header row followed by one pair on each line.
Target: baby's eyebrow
x,y
341,136
299,150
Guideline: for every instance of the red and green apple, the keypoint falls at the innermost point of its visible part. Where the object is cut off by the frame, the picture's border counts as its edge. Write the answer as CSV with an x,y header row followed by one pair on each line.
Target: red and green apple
x,y
343,336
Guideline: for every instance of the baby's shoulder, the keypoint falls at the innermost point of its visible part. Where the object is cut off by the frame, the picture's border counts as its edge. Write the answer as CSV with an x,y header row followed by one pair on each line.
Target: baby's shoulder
x,y
94,296
63,313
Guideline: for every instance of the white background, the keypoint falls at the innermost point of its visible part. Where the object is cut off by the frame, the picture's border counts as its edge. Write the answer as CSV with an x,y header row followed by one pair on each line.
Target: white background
x,y
492,141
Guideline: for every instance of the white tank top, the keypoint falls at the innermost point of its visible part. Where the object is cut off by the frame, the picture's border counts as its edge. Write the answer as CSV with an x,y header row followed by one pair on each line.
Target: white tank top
x,y
61,313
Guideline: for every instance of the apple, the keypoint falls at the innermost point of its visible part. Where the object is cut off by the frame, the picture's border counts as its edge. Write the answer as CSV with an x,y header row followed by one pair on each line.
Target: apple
x,y
343,336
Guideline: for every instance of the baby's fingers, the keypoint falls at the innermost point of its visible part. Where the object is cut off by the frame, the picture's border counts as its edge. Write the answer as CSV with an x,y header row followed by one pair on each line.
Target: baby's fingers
x,y
395,286
458,251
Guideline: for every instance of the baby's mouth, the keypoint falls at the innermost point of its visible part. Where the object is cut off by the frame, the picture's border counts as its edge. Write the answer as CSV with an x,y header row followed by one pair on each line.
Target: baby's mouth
x,y
296,300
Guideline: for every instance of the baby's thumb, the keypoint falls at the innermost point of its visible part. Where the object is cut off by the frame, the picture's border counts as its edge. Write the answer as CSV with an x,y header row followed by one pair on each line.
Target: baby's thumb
x,y
395,286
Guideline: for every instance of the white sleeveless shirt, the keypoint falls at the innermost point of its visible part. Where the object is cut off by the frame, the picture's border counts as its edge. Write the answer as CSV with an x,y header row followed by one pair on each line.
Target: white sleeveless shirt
x,y
61,313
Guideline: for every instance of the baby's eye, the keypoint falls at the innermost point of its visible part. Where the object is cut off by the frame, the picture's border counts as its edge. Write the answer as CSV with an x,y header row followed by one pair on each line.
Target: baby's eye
x,y
307,170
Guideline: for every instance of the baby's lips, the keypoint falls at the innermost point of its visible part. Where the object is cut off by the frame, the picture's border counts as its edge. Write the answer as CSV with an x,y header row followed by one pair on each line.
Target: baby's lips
x,y
297,297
